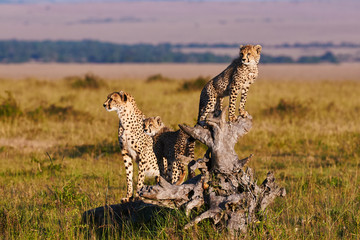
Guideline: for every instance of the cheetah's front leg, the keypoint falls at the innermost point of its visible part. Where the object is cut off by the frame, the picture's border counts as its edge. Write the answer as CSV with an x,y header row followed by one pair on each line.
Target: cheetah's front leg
x,y
141,176
218,106
232,102
147,161
129,175
244,92
120,135
161,160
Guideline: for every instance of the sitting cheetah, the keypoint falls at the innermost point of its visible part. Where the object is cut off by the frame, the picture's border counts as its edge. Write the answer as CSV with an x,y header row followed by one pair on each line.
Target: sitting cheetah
x,y
134,143
169,145
236,77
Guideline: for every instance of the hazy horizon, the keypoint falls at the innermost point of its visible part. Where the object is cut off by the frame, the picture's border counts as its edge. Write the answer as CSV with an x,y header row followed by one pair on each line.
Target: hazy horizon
x,y
126,22
102,1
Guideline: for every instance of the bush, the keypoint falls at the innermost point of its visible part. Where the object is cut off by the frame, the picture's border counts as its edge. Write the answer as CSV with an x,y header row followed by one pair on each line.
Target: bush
x,y
288,107
89,81
194,85
59,113
157,78
9,107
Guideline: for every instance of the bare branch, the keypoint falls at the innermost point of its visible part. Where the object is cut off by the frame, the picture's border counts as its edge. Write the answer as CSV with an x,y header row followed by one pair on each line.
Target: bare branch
x,y
199,133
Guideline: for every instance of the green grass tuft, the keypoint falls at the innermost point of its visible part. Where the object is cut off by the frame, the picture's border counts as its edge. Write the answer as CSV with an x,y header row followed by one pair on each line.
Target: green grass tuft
x,y
9,107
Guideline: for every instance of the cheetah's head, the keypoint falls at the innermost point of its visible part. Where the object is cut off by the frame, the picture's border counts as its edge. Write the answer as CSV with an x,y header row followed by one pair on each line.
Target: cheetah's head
x,y
117,101
250,54
153,125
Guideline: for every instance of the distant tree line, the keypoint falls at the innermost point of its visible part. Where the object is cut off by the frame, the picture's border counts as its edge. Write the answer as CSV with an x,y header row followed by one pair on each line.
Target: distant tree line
x,y
328,57
283,45
14,51
319,45
88,51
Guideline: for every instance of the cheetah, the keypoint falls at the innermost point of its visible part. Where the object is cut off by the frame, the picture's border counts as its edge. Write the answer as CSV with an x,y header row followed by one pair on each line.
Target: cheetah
x,y
238,76
134,143
168,147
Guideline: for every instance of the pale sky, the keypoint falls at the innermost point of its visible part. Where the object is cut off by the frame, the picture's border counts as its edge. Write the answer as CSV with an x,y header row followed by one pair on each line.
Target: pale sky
x,y
183,22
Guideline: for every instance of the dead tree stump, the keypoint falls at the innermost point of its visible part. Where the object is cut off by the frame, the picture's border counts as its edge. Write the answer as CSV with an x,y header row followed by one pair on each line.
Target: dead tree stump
x,y
232,197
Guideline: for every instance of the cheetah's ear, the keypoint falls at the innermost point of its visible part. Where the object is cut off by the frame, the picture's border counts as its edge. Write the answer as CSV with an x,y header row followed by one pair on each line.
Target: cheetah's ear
x,y
123,96
158,120
258,48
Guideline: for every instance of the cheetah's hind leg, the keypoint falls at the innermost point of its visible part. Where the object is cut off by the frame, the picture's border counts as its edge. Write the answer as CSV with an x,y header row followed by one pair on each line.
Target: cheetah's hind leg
x,y
244,92
218,106
207,105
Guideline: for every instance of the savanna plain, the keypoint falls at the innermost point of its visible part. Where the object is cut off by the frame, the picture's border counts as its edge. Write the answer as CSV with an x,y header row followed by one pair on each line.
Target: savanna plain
x,y
59,156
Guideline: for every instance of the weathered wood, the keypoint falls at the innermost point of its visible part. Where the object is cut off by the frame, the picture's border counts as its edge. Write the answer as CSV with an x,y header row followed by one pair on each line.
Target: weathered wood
x,y
233,198
175,196
221,136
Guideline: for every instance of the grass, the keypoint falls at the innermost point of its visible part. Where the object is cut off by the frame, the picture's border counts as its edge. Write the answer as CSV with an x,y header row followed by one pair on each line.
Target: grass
x,y
60,157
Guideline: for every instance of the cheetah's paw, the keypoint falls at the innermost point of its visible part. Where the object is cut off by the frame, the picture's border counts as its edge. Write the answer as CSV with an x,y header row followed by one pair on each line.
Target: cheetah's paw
x,y
232,118
244,114
125,200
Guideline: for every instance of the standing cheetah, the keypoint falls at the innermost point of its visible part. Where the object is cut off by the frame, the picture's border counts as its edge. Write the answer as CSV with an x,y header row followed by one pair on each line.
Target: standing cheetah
x,y
170,145
235,78
134,143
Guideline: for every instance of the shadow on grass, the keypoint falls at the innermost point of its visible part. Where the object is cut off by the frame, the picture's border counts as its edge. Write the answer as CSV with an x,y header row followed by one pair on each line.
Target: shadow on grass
x,y
111,220
94,150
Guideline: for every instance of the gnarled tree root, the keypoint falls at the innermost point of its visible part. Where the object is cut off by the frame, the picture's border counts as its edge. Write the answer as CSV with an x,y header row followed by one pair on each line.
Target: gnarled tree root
x,y
232,197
